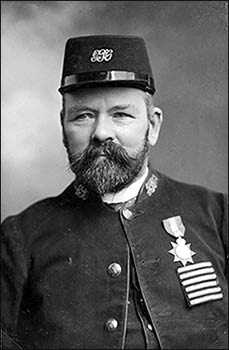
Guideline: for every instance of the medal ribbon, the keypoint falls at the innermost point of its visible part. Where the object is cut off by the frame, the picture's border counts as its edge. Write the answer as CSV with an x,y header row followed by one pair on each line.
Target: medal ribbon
x,y
174,226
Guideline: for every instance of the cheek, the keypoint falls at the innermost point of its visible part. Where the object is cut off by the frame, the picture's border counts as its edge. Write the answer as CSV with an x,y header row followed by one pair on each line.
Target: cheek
x,y
133,138
77,139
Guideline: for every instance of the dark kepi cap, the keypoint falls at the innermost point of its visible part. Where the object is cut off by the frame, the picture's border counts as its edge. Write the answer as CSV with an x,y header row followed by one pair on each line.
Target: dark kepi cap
x,y
110,60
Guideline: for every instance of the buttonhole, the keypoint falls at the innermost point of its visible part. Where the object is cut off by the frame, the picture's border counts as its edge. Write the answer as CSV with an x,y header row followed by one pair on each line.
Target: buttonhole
x,y
70,261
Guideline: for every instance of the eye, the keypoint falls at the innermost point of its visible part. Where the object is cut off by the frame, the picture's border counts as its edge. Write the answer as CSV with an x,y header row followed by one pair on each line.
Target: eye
x,y
82,117
122,115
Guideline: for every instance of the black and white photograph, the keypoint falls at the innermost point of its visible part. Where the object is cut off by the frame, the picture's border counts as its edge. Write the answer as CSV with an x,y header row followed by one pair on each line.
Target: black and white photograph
x,y
114,175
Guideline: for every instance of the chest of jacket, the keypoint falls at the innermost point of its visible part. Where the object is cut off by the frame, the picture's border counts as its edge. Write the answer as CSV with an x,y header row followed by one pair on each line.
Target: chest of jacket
x,y
71,292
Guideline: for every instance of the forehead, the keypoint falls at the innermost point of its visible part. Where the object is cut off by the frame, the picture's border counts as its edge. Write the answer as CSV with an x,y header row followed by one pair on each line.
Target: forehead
x,y
107,96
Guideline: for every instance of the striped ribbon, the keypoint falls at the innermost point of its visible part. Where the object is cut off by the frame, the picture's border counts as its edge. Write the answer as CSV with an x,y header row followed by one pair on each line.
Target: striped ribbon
x,y
199,283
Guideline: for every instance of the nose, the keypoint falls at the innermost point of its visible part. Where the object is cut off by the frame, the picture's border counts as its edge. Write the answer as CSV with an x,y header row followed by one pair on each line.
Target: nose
x,y
103,130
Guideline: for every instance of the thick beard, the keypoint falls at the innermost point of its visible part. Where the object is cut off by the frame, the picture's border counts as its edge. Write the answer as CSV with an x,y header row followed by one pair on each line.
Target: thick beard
x,y
108,173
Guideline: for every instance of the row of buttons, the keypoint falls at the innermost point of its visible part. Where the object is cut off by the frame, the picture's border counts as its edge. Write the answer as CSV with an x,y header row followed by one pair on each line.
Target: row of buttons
x,y
114,270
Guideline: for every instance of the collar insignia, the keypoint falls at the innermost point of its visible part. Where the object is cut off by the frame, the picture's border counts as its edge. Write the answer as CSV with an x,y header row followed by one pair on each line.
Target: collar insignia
x,y
81,191
151,185
181,251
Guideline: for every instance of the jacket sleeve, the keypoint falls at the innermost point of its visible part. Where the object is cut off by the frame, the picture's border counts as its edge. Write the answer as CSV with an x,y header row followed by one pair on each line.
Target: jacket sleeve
x,y
8,343
225,231
13,279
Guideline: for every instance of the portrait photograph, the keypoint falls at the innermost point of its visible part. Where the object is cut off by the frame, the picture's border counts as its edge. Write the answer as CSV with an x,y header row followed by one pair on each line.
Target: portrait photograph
x,y
114,175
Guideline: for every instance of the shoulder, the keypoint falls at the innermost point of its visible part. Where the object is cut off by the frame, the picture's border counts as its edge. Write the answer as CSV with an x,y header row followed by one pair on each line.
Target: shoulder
x,y
192,199
35,215
201,206
191,192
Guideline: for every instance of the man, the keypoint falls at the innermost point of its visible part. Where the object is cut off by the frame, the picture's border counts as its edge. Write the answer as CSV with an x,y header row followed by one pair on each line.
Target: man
x,y
125,257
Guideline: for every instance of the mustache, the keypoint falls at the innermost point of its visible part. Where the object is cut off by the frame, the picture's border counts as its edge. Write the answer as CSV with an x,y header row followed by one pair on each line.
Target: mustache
x,y
115,170
109,149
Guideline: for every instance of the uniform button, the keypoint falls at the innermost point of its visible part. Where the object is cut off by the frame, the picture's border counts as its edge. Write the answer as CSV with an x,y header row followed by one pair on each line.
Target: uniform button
x,y
111,324
114,270
127,214
149,326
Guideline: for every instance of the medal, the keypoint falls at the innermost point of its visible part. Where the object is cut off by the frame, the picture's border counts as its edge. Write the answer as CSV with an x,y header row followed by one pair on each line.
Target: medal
x,y
181,251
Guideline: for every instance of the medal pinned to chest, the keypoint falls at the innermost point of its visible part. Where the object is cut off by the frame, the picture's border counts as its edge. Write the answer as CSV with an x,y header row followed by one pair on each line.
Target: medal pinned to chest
x,y
181,250
199,281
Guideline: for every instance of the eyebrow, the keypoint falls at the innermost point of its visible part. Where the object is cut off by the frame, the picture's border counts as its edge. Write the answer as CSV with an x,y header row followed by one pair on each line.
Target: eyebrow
x,y
120,107
80,108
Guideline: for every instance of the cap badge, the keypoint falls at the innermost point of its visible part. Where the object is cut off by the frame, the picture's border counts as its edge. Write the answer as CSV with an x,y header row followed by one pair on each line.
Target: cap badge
x,y
181,251
102,55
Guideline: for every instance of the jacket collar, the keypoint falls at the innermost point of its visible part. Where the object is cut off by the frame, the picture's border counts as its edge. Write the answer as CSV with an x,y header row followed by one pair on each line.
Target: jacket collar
x,y
148,187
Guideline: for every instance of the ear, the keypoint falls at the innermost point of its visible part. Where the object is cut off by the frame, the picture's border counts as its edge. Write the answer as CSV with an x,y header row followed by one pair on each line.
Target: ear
x,y
62,117
64,137
155,119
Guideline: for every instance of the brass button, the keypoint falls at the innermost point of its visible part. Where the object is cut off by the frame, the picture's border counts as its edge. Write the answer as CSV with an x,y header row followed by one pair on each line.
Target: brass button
x,y
114,270
127,213
149,326
111,324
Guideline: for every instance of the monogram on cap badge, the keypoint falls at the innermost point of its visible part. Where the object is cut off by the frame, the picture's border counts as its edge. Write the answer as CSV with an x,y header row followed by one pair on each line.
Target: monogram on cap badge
x,y
102,55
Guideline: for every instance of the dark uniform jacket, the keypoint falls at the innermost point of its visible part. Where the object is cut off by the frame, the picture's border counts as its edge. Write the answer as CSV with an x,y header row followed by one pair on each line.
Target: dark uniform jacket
x,y
57,290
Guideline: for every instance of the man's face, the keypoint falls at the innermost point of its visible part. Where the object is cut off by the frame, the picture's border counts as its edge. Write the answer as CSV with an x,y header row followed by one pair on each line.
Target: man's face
x,y
105,132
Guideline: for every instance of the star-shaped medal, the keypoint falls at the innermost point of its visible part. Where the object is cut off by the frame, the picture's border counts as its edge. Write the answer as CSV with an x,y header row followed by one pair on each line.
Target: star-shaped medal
x,y
182,251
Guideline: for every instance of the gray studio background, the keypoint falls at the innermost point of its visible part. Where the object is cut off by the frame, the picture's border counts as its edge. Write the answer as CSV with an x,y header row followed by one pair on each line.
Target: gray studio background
x,y
187,42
